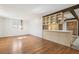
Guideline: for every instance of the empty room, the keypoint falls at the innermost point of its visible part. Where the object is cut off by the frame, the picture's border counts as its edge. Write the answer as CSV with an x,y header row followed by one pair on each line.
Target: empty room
x,y
39,29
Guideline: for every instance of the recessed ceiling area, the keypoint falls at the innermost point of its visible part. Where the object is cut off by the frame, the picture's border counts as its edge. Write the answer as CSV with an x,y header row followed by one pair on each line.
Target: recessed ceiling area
x,y
27,11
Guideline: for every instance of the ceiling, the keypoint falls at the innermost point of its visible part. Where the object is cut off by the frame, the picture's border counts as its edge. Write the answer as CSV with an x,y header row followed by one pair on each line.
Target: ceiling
x,y
27,11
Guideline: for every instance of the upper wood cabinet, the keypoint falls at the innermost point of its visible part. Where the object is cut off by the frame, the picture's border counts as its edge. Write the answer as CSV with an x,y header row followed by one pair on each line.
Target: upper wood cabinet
x,y
52,22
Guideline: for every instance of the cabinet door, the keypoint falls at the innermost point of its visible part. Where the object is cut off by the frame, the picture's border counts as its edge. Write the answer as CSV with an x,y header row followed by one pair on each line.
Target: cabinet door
x,y
72,25
60,26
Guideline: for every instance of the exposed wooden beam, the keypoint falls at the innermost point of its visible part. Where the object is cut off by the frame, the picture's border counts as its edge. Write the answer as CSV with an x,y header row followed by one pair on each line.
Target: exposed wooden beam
x,y
74,14
65,10
69,19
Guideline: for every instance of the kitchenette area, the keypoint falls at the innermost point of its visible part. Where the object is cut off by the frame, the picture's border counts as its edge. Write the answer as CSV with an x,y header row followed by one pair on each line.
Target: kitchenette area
x,y
62,26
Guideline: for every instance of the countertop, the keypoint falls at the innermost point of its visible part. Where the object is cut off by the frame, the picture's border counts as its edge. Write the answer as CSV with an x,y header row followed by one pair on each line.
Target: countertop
x,y
58,30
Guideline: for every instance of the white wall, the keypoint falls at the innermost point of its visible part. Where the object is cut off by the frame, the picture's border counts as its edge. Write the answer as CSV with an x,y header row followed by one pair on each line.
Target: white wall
x,y
12,30
7,28
1,27
35,26
31,26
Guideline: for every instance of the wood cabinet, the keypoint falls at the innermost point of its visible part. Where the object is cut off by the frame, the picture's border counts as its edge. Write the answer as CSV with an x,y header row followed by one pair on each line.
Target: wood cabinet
x,y
53,22
72,25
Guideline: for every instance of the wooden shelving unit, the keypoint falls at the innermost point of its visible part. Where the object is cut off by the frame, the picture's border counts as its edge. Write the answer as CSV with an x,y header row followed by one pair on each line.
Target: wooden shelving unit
x,y
53,22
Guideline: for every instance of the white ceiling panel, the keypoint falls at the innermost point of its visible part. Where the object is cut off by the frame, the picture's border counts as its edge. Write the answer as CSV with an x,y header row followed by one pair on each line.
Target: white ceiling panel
x,y
26,11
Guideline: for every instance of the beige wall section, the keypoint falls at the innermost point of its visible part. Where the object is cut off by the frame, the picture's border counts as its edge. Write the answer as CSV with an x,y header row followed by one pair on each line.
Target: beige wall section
x,y
61,37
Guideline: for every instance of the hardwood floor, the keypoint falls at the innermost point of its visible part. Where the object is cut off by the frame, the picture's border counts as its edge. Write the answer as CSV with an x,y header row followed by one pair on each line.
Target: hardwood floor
x,y
29,44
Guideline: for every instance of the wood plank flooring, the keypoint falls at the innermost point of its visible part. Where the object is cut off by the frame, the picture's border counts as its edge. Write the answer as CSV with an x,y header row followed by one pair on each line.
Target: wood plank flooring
x,y
29,44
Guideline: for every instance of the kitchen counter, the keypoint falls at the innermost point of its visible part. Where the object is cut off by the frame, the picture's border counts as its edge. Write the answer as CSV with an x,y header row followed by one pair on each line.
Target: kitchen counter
x,y
58,30
63,37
